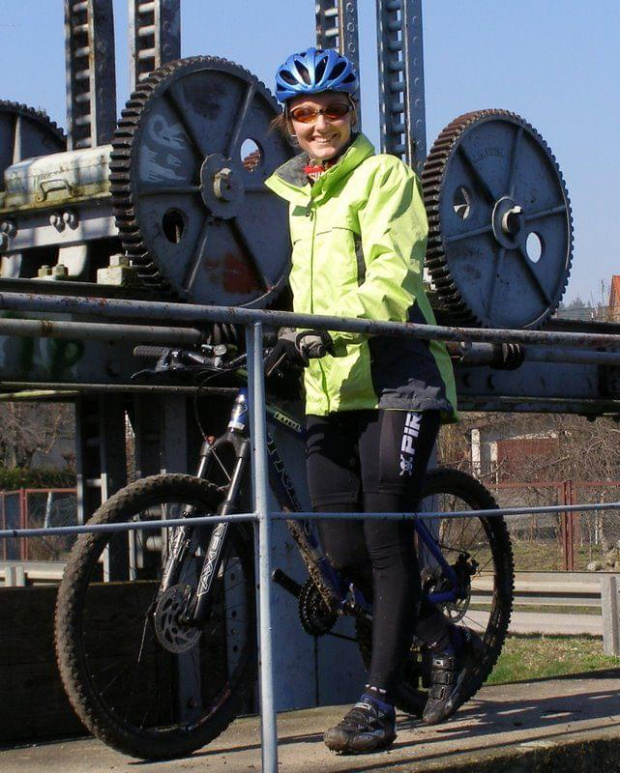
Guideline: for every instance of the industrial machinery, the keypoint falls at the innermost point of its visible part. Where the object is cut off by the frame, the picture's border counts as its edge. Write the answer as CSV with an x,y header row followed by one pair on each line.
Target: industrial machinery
x,y
168,204
163,205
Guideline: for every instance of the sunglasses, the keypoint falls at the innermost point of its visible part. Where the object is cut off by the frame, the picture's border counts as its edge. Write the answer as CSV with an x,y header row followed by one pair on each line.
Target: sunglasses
x,y
335,112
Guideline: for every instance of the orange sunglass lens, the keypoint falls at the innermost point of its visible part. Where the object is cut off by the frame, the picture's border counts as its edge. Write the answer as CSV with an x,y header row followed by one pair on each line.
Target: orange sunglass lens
x,y
308,114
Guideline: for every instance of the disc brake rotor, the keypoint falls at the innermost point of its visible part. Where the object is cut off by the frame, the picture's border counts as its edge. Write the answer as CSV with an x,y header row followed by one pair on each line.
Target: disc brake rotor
x,y
171,634
501,235
190,156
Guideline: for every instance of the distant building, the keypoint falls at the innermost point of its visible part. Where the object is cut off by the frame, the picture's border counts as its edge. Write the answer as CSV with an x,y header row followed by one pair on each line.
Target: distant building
x,y
508,453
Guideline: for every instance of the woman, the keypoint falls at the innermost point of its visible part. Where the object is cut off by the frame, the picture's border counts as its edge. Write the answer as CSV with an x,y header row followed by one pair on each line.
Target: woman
x,y
374,405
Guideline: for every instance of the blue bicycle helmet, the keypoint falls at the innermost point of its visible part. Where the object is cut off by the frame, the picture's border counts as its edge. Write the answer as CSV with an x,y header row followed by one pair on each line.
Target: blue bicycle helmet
x,y
313,71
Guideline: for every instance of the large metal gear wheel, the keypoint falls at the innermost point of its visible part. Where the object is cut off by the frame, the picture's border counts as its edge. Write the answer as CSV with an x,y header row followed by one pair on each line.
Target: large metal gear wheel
x,y
26,133
501,233
194,217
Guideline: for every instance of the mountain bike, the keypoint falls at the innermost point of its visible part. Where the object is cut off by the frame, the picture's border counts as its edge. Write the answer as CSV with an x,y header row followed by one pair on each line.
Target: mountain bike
x,y
156,628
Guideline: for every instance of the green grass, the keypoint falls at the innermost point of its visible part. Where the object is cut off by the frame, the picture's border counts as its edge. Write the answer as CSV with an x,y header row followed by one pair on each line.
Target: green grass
x,y
556,609
535,656
547,556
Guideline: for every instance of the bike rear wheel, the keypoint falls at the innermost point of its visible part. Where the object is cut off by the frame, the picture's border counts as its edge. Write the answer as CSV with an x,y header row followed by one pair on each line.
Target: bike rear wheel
x,y
148,695
479,548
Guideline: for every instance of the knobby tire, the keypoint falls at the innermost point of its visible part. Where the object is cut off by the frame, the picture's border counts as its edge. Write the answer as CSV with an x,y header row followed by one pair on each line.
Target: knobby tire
x,y
485,539
130,691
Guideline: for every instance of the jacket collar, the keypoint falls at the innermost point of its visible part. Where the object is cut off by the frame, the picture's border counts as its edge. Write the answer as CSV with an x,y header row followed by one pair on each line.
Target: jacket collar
x,y
290,180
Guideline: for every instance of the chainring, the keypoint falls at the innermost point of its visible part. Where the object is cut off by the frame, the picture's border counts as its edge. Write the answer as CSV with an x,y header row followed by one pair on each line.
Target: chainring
x,y
171,634
500,224
189,159
315,616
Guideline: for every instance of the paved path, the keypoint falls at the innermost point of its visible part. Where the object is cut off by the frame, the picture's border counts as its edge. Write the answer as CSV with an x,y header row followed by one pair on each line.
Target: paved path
x,y
544,622
547,726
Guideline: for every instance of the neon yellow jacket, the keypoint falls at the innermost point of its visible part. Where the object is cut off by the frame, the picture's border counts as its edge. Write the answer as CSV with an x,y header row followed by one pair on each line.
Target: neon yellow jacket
x,y
359,238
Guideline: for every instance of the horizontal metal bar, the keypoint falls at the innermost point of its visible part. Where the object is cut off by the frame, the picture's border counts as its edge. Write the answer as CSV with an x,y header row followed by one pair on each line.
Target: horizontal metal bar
x,y
42,328
471,355
456,514
97,528
181,312
277,516
575,356
29,390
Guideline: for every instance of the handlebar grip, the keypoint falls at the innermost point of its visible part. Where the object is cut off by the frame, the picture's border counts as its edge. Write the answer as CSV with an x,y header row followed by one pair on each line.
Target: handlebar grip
x,y
150,352
313,346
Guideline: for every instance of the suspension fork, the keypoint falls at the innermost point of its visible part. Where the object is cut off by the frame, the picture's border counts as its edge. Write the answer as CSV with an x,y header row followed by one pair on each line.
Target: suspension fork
x,y
185,536
242,448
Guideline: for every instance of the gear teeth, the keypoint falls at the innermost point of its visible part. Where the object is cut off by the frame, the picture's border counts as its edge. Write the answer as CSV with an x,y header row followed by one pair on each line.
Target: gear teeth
x,y
314,614
40,116
433,180
151,270
36,116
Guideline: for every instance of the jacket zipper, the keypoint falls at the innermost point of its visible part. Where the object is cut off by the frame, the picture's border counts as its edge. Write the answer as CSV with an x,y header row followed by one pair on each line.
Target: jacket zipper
x,y
313,216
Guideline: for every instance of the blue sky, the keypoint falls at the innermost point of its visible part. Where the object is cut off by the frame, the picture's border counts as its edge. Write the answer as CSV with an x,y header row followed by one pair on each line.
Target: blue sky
x,y
555,63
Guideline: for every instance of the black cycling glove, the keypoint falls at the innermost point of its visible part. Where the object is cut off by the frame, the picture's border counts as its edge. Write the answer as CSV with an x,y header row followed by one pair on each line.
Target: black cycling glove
x,y
295,349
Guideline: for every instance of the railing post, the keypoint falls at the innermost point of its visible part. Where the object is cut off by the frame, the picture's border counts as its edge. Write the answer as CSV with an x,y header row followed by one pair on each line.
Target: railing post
x,y
23,519
610,591
3,543
567,524
269,736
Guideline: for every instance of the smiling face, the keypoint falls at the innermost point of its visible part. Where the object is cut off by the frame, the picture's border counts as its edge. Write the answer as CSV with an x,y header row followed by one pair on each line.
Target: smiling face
x,y
322,139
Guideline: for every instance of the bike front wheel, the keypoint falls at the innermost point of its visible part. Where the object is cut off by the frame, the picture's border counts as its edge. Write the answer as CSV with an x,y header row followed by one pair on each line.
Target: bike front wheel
x,y
140,679
479,550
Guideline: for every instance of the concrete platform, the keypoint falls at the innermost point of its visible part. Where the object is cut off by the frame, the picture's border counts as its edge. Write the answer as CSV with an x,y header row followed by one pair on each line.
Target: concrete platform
x,y
570,724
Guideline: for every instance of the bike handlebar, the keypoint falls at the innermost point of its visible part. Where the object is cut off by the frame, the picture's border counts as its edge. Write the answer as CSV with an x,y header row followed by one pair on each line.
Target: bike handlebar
x,y
213,357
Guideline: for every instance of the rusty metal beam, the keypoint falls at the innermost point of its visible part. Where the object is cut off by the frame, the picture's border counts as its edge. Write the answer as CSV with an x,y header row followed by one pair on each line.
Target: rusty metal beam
x,y
200,315
337,27
90,72
401,80
154,36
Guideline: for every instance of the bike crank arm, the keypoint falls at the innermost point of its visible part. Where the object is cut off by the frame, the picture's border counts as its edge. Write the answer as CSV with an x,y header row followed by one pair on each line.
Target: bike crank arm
x,y
288,583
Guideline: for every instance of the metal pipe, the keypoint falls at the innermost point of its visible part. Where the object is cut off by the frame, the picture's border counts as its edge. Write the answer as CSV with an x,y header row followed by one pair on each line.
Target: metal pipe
x,y
44,328
572,355
456,514
182,312
29,390
210,519
258,434
471,355
114,527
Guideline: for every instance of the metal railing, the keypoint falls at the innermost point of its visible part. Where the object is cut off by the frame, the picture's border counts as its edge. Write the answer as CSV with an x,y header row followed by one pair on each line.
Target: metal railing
x,y
253,321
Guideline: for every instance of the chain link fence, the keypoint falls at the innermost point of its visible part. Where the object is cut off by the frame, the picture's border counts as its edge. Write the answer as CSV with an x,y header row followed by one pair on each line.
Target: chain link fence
x,y
35,509
562,541
541,541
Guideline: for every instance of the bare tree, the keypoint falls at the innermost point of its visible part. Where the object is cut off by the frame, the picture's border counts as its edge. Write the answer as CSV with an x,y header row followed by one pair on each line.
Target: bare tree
x,y
30,428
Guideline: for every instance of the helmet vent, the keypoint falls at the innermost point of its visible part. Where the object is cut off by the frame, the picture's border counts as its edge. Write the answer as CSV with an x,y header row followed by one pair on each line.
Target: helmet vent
x,y
304,73
338,69
287,77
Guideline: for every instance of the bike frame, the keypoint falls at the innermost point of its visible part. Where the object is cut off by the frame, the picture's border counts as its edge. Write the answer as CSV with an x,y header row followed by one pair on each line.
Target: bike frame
x,y
338,594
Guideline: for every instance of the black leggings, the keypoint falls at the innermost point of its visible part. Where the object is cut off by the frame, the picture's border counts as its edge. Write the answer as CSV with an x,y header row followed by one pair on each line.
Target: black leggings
x,y
375,461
